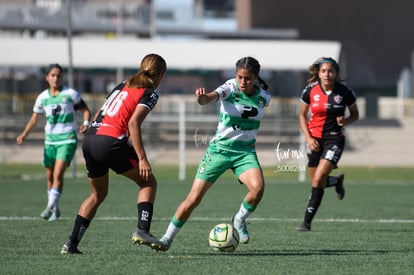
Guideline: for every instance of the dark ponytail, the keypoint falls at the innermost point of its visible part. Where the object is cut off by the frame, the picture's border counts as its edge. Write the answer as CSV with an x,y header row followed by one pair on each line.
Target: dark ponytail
x,y
263,83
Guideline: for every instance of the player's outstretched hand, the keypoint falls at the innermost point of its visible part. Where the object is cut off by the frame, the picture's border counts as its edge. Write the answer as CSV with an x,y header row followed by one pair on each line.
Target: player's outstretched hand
x,y
20,139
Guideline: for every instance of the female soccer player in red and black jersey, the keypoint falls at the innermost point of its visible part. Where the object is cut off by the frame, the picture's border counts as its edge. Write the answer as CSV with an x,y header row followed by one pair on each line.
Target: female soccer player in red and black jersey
x,y
114,141
327,100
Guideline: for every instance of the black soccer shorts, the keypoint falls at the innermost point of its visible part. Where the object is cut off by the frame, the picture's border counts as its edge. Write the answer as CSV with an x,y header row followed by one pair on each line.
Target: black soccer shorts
x,y
330,149
102,153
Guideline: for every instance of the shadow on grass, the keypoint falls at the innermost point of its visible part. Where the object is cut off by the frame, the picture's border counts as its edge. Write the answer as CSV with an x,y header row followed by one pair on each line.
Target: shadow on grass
x,y
293,252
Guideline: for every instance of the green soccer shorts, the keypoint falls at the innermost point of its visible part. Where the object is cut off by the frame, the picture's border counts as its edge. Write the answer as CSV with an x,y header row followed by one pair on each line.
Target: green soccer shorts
x,y
216,161
64,152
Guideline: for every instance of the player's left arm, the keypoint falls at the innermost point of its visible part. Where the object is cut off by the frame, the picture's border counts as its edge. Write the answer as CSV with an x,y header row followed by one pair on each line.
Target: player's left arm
x,y
86,114
353,116
351,102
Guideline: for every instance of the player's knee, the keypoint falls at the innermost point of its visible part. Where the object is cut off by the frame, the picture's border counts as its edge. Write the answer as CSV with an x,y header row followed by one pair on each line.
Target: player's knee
x,y
256,187
151,183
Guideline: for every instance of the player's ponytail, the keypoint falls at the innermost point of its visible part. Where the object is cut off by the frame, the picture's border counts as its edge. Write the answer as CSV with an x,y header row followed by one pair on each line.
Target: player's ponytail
x,y
263,83
151,66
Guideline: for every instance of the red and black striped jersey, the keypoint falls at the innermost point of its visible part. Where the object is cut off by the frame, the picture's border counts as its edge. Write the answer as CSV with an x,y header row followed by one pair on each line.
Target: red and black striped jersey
x,y
325,107
119,106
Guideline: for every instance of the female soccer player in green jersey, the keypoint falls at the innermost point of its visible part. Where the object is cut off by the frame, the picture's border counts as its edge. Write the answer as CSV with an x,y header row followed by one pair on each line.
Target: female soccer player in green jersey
x,y
59,105
242,103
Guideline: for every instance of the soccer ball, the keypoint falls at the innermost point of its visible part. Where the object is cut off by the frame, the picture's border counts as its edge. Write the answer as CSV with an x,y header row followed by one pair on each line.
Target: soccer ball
x,y
223,237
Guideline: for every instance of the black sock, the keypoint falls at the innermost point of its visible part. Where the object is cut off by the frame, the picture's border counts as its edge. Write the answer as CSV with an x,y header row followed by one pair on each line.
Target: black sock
x,y
79,229
313,204
331,181
144,215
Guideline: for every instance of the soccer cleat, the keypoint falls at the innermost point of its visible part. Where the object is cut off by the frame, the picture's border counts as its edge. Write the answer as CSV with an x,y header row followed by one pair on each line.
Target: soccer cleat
x,y
145,238
166,243
69,248
339,187
241,228
55,215
46,214
304,227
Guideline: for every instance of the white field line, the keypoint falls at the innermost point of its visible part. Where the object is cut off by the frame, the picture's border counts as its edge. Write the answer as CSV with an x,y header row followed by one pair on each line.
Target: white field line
x,y
356,220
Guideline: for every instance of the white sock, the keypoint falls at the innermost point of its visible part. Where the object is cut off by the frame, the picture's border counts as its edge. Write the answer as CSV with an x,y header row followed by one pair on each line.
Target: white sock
x,y
54,196
48,197
172,230
242,214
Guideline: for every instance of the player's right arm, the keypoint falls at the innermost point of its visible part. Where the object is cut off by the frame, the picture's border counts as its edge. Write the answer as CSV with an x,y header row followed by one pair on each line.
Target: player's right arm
x,y
134,128
303,124
29,126
204,98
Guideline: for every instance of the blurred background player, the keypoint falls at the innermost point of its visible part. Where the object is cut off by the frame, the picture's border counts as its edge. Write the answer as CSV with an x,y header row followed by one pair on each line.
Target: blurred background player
x,y
59,105
242,103
114,141
327,99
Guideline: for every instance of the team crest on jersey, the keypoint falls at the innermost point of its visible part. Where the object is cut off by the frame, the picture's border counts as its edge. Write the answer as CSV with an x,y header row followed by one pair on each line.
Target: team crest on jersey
x,y
261,103
223,94
337,99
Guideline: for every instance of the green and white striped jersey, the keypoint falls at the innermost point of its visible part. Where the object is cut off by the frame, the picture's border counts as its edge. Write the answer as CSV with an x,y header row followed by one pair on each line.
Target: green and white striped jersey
x,y
61,126
240,117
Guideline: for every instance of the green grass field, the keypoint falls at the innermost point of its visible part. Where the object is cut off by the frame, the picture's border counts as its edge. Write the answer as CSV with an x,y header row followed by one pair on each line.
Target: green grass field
x,y
370,232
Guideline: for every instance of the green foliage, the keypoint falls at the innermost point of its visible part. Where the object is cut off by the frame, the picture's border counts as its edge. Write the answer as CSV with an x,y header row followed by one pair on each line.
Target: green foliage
x,y
369,232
